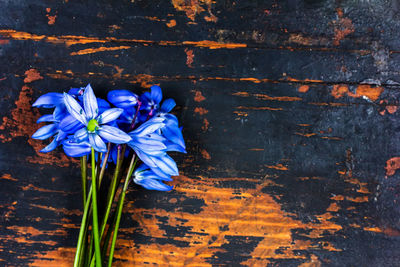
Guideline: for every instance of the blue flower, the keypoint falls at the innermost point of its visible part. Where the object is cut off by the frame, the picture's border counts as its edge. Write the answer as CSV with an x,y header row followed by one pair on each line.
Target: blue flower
x,y
150,148
127,101
152,99
52,100
75,149
48,131
95,129
122,98
145,177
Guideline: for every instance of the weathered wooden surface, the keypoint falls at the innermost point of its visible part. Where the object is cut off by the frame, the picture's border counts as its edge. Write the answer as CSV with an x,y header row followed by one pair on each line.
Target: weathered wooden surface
x,y
289,111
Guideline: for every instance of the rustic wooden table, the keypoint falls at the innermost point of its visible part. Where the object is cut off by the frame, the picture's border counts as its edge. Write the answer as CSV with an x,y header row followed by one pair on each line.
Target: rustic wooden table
x,y
289,110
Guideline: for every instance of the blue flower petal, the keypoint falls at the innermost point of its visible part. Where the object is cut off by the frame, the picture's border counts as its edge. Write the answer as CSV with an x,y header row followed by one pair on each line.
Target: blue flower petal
x,y
144,157
81,135
61,136
74,149
152,184
103,105
45,132
166,164
174,147
49,100
46,118
168,105
75,109
98,144
90,103
156,94
113,134
148,127
60,112
161,174
150,147
70,125
174,134
141,168
122,98
50,147
109,115
76,91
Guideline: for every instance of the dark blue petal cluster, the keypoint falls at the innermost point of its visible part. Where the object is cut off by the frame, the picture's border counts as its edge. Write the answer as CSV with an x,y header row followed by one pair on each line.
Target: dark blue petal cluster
x,y
155,133
80,122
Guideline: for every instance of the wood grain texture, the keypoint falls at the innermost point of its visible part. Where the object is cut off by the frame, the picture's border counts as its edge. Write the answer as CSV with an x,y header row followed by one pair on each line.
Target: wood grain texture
x,y
289,110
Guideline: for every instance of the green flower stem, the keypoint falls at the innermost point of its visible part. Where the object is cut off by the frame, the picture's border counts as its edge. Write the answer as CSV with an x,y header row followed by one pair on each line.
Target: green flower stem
x,y
101,175
104,162
106,243
99,157
119,208
82,256
110,196
112,191
95,229
82,231
84,178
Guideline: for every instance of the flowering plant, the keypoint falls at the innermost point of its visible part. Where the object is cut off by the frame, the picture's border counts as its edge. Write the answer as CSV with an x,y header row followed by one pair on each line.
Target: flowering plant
x,y
138,128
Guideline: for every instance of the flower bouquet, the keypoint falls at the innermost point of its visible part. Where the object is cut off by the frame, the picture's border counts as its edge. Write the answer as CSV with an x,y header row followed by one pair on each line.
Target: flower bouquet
x,y
137,129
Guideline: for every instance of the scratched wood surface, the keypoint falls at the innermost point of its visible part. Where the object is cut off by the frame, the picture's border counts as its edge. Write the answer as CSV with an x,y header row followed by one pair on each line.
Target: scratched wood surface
x,y
290,112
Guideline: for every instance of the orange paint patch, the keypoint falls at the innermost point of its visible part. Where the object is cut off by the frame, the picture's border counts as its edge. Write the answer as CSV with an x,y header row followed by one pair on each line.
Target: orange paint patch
x,y
338,198
96,50
198,97
23,118
52,19
214,45
303,89
390,231
32,75
333,207
60,210
358,199
61,257
256,149
305,134
152,18
171,23
367,90
7,176
287,78
194,7
245,94
69,40
363,90
205,125
200,111
392,165
260,108
145,80
343,27
339,91
277,167
189,57
313,262
391,109
373,229
205,154
211,18
113,28
277,98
